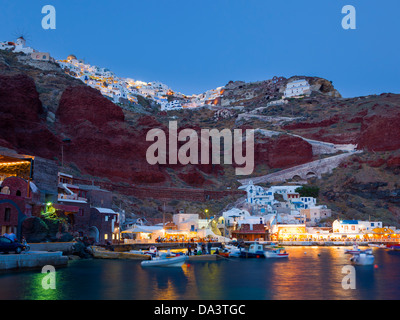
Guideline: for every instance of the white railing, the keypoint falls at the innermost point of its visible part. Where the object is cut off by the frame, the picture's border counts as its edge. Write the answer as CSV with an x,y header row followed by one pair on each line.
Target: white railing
x,y
70,197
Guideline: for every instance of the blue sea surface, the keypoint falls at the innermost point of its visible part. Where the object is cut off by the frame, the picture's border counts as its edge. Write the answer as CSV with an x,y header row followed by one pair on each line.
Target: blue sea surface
x,y
310,273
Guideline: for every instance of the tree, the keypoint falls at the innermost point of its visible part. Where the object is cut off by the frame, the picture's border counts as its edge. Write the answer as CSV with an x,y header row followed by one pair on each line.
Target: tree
x,y
308,191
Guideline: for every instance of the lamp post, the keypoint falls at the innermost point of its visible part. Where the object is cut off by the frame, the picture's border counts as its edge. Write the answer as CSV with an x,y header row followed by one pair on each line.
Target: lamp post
x,y
163,222
66,140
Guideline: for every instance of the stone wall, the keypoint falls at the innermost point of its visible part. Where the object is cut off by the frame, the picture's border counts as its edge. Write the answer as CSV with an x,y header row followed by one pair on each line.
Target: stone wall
x,y
165,193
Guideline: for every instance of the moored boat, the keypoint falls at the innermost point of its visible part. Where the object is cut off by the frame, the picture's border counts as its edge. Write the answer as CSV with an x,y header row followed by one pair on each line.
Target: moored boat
x,y
354,250
224,253
101,253
234,252
277,253
255,250
363,258
376,245
163,261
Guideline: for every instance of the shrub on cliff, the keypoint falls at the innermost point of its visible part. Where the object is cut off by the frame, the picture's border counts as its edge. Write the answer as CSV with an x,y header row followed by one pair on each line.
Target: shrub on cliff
x,y
308,191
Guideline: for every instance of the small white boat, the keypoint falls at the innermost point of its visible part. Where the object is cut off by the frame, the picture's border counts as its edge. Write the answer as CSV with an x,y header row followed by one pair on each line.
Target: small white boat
x,y
152,251
375,245
257,250
278,253
233,251
363,258
355,250
163,261
137,251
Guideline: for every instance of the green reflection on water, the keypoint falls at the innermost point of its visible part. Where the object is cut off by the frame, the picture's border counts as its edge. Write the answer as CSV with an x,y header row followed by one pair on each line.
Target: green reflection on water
x,y
34,289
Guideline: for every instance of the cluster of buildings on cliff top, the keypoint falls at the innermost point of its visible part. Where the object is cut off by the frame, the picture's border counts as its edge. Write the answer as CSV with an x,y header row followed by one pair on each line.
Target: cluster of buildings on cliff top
x,y
20,46
121,90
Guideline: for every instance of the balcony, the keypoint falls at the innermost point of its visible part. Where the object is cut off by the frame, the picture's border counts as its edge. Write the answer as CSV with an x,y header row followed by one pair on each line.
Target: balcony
x,y
70,197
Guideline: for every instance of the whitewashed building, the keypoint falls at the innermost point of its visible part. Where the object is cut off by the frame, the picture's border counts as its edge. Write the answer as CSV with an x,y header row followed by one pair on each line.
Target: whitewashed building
x,y
173,105
354,226
297,88
186,221
20,46
232,216
315,213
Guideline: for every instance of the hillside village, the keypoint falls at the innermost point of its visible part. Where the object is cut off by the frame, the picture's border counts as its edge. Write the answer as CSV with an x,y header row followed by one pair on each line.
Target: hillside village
x,y
278,212
120,90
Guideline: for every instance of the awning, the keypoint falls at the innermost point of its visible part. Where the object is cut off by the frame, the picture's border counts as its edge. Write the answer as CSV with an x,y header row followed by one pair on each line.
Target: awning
x,y
179,232
144,229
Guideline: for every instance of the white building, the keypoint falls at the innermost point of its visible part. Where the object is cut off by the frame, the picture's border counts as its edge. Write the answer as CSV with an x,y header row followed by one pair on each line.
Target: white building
x,y
297,88
20,46
354,226
173,105
186,221
315,213
232,216
6,45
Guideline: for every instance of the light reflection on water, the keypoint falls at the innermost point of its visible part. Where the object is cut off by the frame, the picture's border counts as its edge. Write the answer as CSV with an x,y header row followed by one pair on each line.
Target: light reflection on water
x,y
309,273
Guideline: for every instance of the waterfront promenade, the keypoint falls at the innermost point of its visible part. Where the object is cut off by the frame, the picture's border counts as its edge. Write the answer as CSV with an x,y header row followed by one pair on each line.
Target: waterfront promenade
x,y
32,259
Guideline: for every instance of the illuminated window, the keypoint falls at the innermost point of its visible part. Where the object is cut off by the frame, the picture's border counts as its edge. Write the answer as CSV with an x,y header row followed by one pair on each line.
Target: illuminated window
x,y
105,236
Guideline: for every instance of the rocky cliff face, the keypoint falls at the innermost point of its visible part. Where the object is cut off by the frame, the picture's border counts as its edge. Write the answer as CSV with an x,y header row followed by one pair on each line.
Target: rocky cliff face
x,y
257,94
21,117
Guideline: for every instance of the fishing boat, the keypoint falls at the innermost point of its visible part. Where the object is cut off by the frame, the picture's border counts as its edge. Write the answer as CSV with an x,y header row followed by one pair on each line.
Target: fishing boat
x,y
255,250
224,253
101,253
152,251
164,261
277,253
234,252
363,258
393,247
273,245
376,245
355,250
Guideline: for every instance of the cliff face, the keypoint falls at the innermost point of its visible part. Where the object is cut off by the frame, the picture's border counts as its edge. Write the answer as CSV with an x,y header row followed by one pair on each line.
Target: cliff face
x,y
380,133
21,117
282,152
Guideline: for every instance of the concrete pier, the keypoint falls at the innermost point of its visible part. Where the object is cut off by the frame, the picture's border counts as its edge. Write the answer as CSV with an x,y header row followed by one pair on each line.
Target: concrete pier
x,y
32,259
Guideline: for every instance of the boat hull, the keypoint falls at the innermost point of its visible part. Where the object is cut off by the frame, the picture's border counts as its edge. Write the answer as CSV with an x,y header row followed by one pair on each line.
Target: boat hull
x,y
276,255
165,262
246,254
362,259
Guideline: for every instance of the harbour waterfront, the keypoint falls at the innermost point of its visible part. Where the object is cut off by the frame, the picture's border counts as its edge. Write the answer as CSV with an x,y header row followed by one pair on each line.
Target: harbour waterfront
x,y
310,273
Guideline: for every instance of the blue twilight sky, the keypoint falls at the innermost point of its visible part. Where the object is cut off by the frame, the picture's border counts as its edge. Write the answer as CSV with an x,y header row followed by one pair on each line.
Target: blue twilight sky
x,y
193,46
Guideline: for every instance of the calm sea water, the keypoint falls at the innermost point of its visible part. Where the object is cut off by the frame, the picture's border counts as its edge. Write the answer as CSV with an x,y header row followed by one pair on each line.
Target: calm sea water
x,y
309,273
